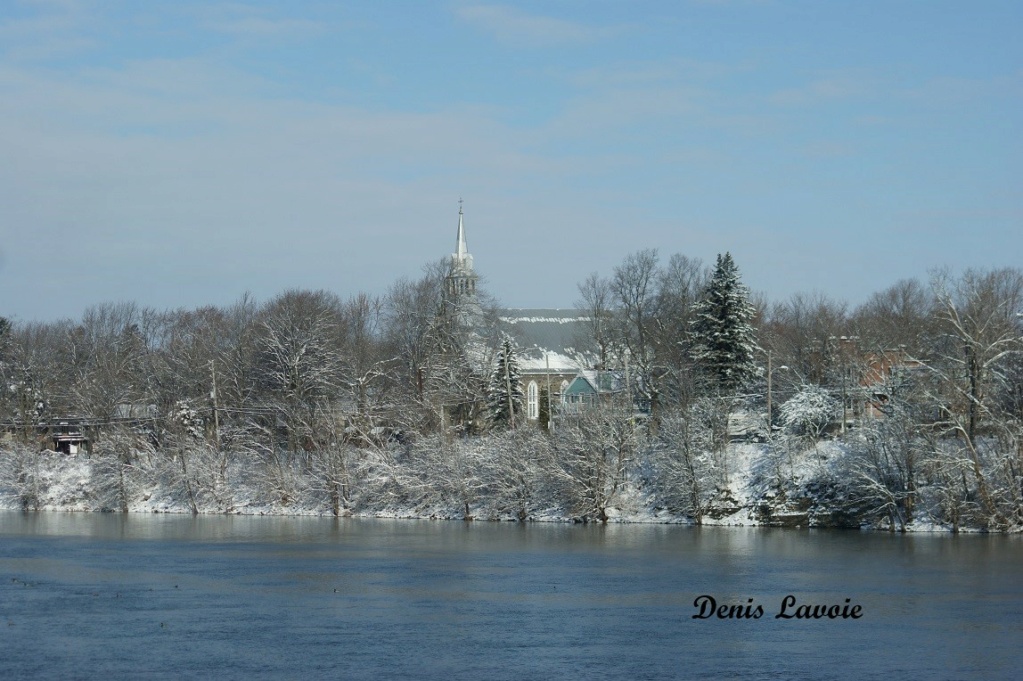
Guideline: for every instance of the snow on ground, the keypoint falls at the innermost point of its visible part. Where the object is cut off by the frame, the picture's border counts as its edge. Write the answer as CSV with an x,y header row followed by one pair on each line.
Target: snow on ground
x,y
765,486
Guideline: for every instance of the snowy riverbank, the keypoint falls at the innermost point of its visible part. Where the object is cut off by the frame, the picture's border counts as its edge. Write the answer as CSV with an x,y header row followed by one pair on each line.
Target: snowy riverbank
x,y
764,486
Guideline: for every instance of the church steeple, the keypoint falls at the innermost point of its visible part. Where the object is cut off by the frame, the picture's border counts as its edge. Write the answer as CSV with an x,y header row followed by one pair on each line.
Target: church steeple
x,y
461,279
461,259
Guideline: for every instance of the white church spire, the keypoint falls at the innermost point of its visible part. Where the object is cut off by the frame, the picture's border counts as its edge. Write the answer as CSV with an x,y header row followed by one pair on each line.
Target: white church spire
x,y
461,260
461,280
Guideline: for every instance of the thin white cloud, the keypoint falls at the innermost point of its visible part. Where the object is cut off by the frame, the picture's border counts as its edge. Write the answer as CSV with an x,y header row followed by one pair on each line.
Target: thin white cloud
x,y
110,152
947,90
48,48
46,35
67,5
626,109
513,26
837,87
651,72
255,22
257,26
183,173
826,149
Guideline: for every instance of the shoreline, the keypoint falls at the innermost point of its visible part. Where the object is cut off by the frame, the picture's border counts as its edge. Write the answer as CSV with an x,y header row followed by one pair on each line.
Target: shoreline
x,y
49,482
915,528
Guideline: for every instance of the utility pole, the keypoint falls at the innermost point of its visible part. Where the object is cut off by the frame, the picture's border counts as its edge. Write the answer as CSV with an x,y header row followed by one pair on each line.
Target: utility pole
x,y
847,345
507,387
216,409
628,385
550,412
845,400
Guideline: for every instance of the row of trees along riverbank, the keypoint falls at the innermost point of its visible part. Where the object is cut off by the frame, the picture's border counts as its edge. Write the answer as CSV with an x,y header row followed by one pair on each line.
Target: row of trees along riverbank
x,y
381,400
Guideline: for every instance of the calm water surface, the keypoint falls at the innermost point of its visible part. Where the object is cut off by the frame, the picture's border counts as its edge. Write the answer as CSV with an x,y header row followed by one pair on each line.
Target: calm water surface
x,y
95,596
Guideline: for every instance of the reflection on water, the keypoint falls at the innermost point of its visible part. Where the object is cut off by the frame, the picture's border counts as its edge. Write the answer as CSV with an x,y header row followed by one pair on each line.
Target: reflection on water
x,y
114,596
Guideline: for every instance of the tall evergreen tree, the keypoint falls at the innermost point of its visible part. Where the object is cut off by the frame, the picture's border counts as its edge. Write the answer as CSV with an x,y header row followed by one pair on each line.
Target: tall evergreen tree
x,y
505,388
724,339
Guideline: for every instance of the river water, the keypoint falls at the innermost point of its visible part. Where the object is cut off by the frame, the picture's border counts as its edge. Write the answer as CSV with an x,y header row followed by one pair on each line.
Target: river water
x,y
104,596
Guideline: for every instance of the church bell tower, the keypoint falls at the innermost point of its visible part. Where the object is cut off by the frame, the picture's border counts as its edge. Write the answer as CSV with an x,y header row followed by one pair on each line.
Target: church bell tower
x,y
461,279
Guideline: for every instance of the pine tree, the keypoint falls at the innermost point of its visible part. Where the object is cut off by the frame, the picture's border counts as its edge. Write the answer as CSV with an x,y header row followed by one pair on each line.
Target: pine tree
x,y
724,339
505,388
544,411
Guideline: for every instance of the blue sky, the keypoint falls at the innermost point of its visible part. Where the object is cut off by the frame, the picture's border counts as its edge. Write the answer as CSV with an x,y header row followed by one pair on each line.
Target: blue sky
x,y
181,154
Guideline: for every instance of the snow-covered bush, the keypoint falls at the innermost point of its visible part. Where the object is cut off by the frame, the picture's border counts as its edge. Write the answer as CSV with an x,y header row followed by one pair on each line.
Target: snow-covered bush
x,y
19,474
119,473
516,472
591,457
686,474
808,412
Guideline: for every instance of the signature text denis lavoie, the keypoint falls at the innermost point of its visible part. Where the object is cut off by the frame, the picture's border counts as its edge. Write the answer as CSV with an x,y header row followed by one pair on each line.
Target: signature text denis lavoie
x,y
790,608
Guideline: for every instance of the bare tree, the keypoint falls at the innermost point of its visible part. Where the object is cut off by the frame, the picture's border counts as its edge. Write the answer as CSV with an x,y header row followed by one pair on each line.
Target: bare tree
x,y
592,456
980,320
412,318
634,286
679,286
687,474
597,302
979,317
300,360
346,465
803,334
444,355
897,317
21,474
37,374
443,475
515,471
366,359
118,473
883,468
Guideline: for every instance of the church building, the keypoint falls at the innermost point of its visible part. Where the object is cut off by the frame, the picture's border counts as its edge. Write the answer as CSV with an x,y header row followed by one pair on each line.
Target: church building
x,y
553,346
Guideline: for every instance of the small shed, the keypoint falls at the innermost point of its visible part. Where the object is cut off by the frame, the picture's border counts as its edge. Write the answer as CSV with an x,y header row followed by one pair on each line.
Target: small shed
x,y
68,438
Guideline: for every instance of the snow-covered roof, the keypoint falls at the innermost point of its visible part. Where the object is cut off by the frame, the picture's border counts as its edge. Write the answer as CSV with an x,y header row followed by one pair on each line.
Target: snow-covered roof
x,y
558,338
596,381
535,315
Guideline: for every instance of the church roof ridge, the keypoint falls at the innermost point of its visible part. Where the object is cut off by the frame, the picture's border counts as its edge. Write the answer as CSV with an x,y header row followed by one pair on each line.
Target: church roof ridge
x,y
560,312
